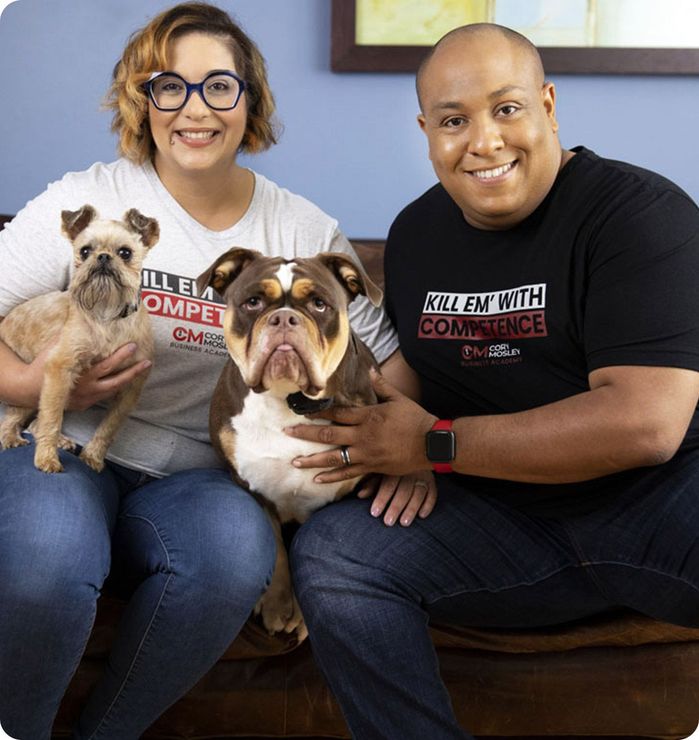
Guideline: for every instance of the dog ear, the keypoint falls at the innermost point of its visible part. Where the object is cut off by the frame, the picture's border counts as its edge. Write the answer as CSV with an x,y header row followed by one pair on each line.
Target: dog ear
x,y
225,269
73,222
352,276
147,228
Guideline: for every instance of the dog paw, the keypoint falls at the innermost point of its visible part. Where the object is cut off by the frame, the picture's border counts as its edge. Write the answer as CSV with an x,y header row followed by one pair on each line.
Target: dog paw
x,y
47,461
96,462
66,443
10,440
281,612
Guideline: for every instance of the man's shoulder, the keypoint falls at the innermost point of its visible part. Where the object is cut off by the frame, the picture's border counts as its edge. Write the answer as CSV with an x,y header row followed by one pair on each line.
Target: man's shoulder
x,y
432,204
632,178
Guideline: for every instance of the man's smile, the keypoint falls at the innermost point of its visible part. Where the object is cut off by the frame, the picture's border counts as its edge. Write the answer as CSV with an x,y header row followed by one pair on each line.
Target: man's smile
x,y
495,173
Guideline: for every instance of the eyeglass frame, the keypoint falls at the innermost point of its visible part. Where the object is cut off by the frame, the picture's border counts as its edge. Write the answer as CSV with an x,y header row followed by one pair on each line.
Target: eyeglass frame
x,y
194,87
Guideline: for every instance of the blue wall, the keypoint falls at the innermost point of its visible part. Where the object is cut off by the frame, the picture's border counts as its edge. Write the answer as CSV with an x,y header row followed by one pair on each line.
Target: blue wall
x,y
350,141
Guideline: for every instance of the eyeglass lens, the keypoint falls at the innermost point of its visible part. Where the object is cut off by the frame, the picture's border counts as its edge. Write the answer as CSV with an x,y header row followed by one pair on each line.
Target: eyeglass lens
x,y
219,91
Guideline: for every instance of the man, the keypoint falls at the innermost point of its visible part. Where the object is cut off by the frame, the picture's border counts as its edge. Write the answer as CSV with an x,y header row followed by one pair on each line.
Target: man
x,y
546,304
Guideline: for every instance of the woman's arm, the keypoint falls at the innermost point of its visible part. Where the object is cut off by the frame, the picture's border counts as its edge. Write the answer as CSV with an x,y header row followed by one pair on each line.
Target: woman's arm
x,y
20,382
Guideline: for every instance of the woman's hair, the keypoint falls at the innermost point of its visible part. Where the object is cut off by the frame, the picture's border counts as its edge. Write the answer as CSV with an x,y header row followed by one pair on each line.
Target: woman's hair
x,y
147,52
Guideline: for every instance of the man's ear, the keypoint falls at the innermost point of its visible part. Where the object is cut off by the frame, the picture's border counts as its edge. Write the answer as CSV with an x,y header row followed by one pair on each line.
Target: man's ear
x,y
225,269
352,277
548,99
73,222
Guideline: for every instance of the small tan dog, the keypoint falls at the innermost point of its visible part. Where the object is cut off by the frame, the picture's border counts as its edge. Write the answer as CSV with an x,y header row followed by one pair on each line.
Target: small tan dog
x,y
100,312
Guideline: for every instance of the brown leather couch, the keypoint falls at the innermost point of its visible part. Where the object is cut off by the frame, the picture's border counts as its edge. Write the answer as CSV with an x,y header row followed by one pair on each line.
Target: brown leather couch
x,y
617,675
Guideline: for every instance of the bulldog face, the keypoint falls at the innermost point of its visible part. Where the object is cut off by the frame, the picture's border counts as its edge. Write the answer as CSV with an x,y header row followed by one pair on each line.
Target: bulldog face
x,y
286,325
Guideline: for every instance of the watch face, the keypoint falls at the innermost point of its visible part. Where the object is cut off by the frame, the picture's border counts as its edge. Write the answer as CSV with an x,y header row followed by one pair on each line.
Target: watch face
x,y
441,446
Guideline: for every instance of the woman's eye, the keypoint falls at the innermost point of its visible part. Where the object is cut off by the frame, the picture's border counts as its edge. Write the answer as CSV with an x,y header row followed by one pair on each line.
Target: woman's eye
x,y
85,252
319,304
125,253
173,88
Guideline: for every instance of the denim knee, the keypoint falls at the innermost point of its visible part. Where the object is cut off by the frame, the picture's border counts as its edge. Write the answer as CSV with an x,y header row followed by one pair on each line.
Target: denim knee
x,y
53,549
330,553
238,555
202,528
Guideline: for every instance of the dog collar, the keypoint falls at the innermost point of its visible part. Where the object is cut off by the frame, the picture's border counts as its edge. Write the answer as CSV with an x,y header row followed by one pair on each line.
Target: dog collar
x,y
303,405
130,308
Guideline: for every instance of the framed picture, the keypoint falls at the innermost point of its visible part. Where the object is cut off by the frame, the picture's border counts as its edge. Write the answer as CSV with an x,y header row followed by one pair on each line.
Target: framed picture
x,y
574,37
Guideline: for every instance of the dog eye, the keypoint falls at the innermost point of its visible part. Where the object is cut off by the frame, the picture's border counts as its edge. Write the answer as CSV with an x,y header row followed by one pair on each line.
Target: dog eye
x,y
319,304
85,252
253,303
125,253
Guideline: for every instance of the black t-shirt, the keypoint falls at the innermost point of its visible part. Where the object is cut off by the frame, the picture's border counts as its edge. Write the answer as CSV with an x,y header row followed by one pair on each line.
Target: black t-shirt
x,y
605,272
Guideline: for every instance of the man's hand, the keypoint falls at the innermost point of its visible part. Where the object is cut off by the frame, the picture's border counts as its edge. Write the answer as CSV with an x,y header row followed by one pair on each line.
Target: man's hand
x,y
407,496
387,438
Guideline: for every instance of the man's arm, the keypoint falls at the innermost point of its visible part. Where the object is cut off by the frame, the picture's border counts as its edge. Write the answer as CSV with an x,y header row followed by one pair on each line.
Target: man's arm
x,y
631,417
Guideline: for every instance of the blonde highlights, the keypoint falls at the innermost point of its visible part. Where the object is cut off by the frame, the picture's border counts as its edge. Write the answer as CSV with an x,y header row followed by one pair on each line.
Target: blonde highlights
x,y
147,52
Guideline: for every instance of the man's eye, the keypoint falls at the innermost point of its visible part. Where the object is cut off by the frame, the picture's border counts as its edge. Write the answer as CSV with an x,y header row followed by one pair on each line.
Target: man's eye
x,y
85,252
508,110
455,122
125,253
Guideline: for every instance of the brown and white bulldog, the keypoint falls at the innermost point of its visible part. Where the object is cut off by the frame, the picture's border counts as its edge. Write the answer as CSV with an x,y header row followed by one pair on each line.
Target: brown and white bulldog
x,y
292,351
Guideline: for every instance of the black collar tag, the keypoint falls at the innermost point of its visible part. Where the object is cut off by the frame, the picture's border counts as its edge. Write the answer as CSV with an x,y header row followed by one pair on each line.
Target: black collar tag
x,y
130,308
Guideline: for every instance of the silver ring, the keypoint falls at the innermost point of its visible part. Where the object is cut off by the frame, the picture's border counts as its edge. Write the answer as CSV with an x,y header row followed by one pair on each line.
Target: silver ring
x,y
421,484
344,454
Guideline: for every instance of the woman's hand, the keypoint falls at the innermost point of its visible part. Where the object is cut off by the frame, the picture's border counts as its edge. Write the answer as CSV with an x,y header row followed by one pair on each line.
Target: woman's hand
x,y
407,496
387,438
101,381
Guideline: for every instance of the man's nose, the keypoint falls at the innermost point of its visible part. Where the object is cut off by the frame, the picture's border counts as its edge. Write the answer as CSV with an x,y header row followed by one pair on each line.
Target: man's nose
x,y
485,137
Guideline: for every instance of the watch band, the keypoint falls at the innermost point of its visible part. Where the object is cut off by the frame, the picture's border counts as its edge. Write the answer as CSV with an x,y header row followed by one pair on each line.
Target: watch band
x,y
442,425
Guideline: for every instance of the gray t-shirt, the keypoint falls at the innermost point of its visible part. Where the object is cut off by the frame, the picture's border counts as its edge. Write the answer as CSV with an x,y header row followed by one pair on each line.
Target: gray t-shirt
x,y
168,430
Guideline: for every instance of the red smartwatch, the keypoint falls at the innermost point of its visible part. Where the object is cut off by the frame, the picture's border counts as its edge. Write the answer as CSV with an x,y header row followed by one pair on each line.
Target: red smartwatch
x,y
440,446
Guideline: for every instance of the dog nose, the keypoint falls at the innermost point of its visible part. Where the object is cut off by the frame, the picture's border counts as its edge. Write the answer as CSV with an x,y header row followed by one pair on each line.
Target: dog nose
x,y
284,318
103,258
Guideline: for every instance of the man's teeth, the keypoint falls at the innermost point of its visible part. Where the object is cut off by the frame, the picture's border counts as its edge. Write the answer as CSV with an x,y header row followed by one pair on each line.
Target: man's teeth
x,y
197,134
487,174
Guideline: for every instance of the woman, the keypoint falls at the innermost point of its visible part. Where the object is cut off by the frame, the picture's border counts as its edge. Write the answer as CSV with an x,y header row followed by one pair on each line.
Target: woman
x,y
196,552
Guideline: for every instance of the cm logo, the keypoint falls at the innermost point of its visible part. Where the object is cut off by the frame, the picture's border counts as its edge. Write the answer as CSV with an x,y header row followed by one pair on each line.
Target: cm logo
x,y
183,334
471,352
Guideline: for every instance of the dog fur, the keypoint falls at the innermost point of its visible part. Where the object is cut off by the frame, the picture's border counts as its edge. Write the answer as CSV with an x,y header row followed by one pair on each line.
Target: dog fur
x,y
288,334
100,312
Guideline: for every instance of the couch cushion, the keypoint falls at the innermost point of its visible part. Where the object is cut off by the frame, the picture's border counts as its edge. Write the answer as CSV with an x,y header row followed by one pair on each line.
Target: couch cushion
x,y
618,629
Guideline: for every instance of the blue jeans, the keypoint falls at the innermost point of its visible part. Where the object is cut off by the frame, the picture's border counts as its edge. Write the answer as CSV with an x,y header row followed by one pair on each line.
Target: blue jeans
x,y
482,558
194,550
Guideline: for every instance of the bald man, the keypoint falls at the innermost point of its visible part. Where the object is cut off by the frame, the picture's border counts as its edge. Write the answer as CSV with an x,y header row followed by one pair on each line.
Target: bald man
x,y
547,310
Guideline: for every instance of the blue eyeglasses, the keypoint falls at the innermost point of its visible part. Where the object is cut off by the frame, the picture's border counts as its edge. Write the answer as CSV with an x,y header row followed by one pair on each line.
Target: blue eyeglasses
x,y
220,90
